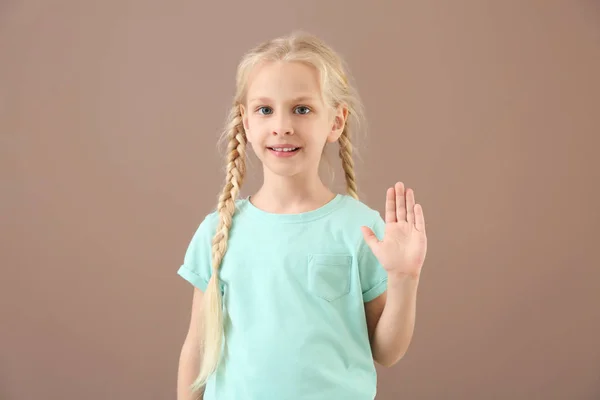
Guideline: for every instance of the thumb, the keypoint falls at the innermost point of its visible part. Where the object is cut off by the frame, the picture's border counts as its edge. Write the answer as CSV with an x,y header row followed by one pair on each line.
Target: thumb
x,y
369,236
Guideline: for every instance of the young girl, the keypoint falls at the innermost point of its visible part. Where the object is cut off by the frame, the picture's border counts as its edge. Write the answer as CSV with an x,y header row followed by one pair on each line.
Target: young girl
x,y
298,290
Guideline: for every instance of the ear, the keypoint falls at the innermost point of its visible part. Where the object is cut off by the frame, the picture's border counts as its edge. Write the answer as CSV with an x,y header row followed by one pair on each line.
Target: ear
x,y
339,123
244,120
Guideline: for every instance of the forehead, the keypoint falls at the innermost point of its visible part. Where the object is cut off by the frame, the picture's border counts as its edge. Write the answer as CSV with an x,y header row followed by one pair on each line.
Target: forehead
x,y
284,80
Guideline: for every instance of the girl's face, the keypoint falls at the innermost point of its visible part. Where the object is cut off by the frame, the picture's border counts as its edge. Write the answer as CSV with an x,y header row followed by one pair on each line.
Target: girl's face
x,y
286,119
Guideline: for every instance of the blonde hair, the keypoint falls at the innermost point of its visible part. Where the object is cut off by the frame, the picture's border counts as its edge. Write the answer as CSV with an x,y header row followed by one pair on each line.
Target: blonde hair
x,y
300,47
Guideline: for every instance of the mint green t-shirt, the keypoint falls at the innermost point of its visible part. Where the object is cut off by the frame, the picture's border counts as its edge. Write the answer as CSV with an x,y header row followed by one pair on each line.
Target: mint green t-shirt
x,y
294,288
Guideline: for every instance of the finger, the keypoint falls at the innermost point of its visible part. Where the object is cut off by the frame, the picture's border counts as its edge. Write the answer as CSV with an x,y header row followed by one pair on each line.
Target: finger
x,y
369,236
410,206
419,218
400,202
390,206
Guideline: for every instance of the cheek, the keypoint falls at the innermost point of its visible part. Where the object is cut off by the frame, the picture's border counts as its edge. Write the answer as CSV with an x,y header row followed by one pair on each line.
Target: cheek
x,y
321,129
250,129
252,139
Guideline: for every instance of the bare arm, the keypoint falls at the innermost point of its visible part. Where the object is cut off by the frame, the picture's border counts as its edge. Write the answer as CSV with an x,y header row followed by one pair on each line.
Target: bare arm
x,y
391,320
189,359
391,316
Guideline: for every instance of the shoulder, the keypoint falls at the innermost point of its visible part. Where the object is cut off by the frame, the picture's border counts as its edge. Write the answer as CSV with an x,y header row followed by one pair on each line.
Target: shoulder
x,y
357,212
208,224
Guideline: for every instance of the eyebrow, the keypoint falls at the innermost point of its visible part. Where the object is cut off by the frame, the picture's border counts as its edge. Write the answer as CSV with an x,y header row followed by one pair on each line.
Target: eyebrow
x,y
298,99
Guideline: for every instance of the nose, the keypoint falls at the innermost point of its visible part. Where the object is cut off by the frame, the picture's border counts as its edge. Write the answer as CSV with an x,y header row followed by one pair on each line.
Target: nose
x,y
285,132
283,126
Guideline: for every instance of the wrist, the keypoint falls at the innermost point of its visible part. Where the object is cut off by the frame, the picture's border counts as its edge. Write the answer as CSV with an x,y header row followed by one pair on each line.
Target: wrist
x,y
402,280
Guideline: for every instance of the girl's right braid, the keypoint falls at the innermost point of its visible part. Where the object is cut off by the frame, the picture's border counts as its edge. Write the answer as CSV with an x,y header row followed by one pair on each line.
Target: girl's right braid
x,y
213,314
236,170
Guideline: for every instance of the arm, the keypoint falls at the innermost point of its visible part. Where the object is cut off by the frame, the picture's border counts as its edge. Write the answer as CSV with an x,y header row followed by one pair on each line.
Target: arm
x,y
189,359
401,253
391,319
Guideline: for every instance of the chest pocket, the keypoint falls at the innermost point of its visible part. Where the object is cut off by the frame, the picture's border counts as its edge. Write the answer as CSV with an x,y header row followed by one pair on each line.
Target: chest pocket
x,y
329,275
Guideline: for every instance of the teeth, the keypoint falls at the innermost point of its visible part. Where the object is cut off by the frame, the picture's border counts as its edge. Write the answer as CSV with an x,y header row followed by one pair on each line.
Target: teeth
x,y
285,149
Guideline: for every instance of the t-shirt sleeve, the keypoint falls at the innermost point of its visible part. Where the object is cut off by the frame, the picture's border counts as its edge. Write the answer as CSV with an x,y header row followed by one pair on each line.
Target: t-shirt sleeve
x,y
197,264
373,278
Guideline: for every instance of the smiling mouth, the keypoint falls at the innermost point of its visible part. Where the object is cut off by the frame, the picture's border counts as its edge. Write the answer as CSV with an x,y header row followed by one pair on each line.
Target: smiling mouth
x,y
289,149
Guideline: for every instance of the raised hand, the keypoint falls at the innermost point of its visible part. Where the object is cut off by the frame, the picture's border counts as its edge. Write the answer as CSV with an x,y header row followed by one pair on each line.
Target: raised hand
x,y
404,245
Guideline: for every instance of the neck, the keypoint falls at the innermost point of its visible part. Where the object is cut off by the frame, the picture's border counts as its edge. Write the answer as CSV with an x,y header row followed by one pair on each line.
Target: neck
x,y
291,194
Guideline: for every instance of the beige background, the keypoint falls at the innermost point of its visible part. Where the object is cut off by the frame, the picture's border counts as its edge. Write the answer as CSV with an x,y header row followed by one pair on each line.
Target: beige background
x,y
109,113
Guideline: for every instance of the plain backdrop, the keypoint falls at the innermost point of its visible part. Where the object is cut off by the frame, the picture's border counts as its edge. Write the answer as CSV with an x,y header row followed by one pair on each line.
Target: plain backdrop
x,y
109,115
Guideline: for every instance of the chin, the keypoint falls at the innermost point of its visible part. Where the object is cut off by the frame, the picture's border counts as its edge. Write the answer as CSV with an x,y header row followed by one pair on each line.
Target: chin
x,y
286,171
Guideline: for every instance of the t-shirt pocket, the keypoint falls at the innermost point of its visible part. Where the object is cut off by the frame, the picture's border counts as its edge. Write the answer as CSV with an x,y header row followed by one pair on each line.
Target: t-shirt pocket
x,y
329,275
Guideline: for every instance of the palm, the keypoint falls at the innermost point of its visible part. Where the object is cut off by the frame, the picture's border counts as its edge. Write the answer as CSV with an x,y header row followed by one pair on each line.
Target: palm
x,y
404,245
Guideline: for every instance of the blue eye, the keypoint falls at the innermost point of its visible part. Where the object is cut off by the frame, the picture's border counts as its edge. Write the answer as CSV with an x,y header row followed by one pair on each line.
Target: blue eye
x,y
305,110
264,108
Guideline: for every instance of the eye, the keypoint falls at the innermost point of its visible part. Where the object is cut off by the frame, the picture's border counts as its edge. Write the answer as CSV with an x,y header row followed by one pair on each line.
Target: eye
x,y
267,110
302,110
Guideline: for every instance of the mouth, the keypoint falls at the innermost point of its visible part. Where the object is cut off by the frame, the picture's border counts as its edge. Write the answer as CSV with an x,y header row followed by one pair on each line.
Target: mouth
x,y
284,151
287,149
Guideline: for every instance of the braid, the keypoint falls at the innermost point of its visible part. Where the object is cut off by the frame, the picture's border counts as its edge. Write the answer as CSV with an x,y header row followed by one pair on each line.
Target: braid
x,y
213,314
348,163
236,170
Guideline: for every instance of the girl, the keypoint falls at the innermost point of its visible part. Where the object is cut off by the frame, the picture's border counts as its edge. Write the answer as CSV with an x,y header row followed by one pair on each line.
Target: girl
x,y
297,289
